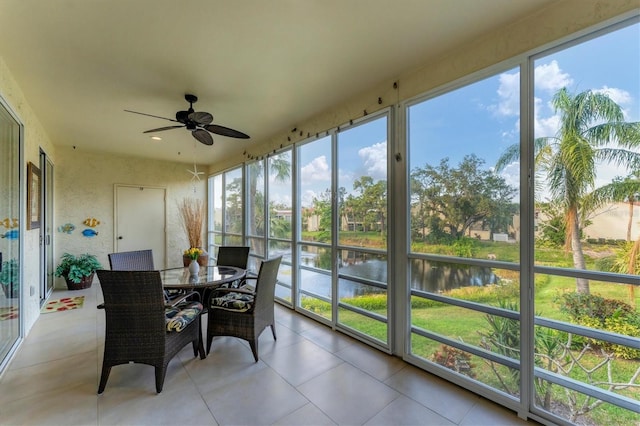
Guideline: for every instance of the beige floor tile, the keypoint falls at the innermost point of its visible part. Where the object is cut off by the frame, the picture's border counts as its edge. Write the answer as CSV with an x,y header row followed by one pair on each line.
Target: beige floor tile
x,y
376,363
327,338
405,411
308,415
487,413
261,398
347,395
75,405
71,372
177,404
444,398
301,362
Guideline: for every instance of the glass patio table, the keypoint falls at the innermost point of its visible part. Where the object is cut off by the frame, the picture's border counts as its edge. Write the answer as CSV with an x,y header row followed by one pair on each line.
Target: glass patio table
x,y
208,278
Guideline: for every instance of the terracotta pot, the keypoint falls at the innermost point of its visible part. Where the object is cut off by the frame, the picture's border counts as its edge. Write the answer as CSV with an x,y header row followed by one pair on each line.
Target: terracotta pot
x,y
84,283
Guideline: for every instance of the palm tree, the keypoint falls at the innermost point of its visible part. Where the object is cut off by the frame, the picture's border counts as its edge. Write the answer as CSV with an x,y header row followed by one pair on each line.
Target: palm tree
x,y
281,167
592,129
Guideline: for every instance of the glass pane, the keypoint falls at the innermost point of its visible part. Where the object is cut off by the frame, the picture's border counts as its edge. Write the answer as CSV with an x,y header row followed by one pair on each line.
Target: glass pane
x,y
255,198
491,333
315,284
463,203
363,324
586,96
362,183
216,202
571,404
280,198
599,235
496,375
257,246
10,242
280,248
316,257
233,201
363,265
363,296
314,162
233,240
317,306
283,286
491,286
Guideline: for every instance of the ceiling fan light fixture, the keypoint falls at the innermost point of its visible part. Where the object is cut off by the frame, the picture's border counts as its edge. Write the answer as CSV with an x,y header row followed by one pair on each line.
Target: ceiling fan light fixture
x,y
198,123
156,138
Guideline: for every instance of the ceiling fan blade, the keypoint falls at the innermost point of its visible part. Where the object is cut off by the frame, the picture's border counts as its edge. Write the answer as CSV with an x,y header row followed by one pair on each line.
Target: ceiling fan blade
x,y
201,118
225,131
150,115
202,136
160,129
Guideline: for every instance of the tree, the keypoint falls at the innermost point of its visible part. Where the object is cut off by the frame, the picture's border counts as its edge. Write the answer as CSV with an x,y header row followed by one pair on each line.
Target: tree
x,y
281,167
592,129
456,198
370,205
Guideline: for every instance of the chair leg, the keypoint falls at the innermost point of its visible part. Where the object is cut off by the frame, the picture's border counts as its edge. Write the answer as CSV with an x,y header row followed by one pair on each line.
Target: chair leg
x,y
209,340
273,331
104,377
161,371
254,348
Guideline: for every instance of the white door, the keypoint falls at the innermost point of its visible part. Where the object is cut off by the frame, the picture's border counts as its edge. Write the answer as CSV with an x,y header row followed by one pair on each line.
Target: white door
x,y
140,220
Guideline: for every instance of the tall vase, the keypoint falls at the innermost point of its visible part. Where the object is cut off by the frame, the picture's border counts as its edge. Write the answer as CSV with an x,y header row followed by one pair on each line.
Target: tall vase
x,y
194,268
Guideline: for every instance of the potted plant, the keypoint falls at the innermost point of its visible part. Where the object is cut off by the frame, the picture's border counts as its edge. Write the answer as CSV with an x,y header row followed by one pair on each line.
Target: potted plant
x,y
10,278
192,214
78,270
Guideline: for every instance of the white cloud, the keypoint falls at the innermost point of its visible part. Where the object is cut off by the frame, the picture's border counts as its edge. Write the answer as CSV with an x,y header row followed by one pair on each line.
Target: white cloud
x,y
549,77
306,198
619,96
316,170
544,126
375,160
508,92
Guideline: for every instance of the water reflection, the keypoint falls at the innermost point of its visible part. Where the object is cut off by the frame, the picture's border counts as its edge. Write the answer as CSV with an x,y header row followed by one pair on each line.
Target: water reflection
x,y
435,277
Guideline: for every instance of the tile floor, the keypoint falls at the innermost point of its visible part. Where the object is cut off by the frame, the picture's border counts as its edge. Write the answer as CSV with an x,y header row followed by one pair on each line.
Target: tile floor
x,y
309,376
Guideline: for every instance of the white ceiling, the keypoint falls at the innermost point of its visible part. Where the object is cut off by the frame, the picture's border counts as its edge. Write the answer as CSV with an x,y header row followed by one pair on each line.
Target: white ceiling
x,y
259,66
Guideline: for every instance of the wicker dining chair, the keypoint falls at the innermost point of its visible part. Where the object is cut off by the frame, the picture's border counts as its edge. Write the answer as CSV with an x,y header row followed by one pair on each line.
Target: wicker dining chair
x,y
140,327
237,256
138,260
246,311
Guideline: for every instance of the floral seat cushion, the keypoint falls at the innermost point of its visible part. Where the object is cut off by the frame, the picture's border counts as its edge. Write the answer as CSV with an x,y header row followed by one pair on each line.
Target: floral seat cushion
x,y
178,317
238,302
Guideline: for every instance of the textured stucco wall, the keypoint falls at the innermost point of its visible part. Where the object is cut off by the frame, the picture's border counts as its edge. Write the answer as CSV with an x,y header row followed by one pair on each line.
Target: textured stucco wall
x,y
555,22
35,137
84,187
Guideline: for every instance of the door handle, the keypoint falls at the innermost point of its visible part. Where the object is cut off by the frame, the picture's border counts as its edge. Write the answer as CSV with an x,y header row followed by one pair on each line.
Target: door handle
x,y
120,237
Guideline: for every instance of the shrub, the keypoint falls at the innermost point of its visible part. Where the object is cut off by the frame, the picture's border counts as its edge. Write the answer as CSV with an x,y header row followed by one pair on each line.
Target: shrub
x,y
606,264
454,359
610,315
464,247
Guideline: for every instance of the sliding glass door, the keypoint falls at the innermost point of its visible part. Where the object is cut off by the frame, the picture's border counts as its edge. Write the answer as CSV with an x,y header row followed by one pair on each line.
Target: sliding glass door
x,y
10,315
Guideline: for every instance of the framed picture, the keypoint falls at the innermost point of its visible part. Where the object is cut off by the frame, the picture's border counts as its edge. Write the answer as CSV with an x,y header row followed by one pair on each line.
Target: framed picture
x,y
33,196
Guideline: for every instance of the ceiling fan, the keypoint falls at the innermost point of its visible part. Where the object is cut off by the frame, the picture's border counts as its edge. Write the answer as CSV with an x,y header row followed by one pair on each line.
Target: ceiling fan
x,y
198,122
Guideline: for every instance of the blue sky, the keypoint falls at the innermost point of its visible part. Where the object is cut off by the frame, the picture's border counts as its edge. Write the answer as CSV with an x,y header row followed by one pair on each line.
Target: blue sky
x,y
483,117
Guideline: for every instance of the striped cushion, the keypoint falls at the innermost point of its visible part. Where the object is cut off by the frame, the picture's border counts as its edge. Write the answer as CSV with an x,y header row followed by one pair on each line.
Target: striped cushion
x,y
178,317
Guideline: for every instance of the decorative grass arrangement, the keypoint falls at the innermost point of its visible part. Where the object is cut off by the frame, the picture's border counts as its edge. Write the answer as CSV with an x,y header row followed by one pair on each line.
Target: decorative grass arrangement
x,y
192,213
